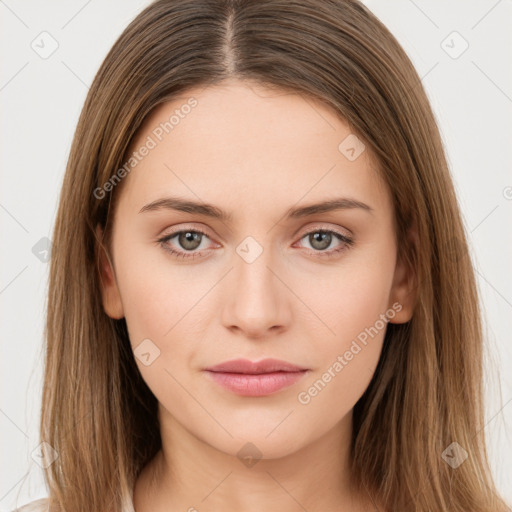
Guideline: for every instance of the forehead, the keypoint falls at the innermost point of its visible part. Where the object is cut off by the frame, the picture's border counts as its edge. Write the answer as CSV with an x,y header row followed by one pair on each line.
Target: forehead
x,y
245,145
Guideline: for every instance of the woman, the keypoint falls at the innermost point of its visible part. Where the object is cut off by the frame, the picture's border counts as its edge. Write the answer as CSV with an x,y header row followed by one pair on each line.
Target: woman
x,y
260,290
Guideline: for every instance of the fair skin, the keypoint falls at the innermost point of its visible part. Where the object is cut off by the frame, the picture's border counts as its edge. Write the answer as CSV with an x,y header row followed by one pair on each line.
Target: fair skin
x,y
254,153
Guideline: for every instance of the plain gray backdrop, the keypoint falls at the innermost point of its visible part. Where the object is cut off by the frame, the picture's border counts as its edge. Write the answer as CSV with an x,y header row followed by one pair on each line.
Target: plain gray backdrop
x,y
50,52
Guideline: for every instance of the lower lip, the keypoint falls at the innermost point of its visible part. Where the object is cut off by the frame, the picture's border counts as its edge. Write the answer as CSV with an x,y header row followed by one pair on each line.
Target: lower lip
x,y
256,385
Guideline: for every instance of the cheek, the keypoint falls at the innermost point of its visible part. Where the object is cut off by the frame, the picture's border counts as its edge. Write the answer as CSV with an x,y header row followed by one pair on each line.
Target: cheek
x,y
346,359
158,297
348,352
165,312
352,303
350,298
161,310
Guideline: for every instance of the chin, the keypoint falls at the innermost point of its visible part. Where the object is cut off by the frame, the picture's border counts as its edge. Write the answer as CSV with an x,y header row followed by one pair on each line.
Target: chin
x,y
255,443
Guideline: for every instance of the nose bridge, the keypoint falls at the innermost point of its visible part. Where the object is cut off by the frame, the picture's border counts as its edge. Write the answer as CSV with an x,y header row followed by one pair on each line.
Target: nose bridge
x,y
258,298
255,283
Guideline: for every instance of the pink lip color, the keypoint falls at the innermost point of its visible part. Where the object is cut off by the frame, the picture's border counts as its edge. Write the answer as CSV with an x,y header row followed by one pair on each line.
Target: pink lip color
x,y
256,385
261,378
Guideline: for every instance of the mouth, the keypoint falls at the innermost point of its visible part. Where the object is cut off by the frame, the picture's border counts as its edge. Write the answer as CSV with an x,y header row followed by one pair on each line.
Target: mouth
x,y
260,378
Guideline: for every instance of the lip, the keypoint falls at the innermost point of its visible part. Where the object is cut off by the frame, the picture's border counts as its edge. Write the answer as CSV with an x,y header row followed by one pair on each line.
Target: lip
x,y
259,378
257,367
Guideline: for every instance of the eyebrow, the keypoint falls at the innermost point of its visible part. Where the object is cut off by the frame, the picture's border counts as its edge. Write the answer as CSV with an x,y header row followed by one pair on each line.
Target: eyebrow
x,y
209,210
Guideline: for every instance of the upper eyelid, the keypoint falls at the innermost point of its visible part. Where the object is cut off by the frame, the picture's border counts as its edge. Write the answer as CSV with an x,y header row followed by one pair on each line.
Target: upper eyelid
x,y
323,228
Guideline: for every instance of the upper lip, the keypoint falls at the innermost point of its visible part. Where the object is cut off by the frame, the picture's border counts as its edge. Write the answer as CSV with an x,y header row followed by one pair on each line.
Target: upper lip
x,y
256,367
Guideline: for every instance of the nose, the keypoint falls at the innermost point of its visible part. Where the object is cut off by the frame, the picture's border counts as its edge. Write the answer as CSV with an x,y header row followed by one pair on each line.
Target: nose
x,y
257,299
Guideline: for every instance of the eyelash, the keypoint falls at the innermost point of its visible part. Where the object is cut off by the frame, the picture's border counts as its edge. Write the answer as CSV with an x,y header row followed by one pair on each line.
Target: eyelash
x,y
347,243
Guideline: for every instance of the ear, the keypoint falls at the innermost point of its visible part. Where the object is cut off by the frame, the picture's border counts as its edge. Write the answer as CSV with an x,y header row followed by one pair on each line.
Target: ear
x,y
403,289
111,297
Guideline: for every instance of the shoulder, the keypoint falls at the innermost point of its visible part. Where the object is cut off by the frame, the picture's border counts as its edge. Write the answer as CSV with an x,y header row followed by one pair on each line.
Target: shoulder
x,y
40,505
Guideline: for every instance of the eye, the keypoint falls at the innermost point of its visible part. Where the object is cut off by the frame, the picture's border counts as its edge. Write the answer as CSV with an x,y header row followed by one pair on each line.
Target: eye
x,y
321,239
188,240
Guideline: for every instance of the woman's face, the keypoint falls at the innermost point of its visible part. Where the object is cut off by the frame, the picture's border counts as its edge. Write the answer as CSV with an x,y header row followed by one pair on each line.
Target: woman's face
x,y
311,288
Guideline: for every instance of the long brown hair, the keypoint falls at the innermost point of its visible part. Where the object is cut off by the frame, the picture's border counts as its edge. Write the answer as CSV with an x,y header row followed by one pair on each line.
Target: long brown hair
x,y
426,393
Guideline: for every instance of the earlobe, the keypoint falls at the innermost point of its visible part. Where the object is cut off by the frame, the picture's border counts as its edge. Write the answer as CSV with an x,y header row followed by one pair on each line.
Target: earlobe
x,y
403,292
111,297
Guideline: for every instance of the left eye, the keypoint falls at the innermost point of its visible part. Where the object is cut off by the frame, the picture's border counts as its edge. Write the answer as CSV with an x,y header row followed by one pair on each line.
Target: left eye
x,y
190,240
321,239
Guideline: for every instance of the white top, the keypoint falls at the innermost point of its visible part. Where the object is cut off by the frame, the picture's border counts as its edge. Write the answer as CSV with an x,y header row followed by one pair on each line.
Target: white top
x,y
41,505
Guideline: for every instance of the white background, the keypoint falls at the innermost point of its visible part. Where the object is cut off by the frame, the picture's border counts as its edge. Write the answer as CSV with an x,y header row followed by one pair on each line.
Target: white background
x,y
40,100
